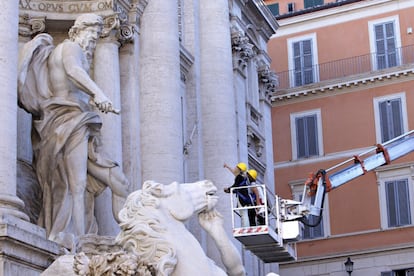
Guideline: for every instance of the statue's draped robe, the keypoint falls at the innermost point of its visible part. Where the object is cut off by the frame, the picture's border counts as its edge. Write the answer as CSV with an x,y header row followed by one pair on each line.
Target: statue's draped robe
x,y
59,124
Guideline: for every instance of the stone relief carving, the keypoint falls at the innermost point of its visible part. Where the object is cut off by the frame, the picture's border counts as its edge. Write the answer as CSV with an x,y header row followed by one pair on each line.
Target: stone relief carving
x,y
100,255
55,87
116,26
110,23
268,78
242,49
29,25
255,142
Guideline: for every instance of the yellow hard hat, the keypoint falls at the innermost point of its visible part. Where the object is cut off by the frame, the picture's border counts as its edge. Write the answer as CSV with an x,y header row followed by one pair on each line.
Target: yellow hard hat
x,y
242,166
252,173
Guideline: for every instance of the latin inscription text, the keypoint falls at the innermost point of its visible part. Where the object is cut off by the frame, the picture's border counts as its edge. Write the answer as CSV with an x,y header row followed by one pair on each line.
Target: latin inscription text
x,y
66,6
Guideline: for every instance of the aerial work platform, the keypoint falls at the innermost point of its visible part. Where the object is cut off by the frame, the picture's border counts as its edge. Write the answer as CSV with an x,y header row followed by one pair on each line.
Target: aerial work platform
x,y
265,241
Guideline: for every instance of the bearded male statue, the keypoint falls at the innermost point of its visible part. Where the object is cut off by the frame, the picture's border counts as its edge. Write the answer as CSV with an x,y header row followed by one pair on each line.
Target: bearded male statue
x,y
55,87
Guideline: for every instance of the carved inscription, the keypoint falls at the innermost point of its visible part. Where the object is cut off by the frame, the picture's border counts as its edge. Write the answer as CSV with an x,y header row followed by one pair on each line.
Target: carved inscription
x,y
66,6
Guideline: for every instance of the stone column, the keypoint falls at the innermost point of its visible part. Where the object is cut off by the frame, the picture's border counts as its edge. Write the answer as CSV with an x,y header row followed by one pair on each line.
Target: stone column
x,y
129,69
160,96
107,77
219,132
9,16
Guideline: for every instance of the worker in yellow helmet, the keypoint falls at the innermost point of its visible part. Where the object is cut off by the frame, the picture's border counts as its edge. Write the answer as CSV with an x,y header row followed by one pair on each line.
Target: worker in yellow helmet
x,y
239,173
258,198
243,196
253,174
240,168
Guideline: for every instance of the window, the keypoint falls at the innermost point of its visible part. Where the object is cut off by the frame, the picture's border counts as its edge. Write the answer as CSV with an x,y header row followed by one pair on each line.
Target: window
x,y
398,202
396,195
306,134
312,3
399,272
385,42
390,116
302,59
302,55
386,53
274,8
391,119
291,7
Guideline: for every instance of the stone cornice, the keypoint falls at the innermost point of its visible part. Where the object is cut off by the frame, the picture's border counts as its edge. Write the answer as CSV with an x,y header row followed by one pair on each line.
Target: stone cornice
x,y
329,88
260,15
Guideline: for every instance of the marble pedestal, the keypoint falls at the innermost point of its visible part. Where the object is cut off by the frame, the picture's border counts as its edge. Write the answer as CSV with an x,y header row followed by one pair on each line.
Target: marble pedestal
x,y
24,249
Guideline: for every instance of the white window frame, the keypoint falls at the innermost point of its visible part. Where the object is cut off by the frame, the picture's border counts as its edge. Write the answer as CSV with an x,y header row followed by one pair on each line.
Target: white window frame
x,y
291,64
297,191
392,173
293,117
377,100
372,38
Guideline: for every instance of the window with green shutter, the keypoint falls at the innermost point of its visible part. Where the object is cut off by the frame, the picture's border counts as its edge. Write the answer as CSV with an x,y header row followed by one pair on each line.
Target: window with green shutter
x,y
274,8
312,3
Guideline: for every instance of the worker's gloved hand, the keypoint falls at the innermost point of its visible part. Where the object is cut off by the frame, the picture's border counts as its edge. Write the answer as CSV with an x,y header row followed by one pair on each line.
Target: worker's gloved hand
x,y
226,190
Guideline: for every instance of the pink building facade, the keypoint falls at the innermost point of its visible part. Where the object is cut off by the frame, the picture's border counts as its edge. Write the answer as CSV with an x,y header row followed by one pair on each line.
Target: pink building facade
x,y
346,83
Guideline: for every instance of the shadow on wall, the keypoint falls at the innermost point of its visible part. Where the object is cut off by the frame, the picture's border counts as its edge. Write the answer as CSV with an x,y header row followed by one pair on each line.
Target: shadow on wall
x,y
28,190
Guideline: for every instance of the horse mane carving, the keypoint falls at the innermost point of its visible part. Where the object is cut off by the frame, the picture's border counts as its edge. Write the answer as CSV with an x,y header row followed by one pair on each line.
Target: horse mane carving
x,y
141,229
152,227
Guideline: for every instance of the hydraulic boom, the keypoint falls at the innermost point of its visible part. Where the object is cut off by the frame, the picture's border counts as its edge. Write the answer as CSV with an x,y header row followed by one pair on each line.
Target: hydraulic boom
x,y
274,241
324,181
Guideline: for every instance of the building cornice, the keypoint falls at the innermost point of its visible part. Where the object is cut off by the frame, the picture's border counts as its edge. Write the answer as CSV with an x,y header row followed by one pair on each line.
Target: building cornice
x,y
267,14
337,15
288,164
333,87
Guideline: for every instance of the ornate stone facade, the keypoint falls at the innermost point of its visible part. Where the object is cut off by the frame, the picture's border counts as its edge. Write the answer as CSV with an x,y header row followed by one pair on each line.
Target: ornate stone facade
x,y
191,84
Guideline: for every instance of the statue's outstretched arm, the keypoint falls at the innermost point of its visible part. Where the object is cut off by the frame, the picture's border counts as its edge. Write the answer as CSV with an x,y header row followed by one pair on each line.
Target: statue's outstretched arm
x,y
72,61
212,222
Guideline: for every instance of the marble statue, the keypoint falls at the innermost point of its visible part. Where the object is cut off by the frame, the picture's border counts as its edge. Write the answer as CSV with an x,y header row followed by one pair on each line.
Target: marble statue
x,y
155,240
55,87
